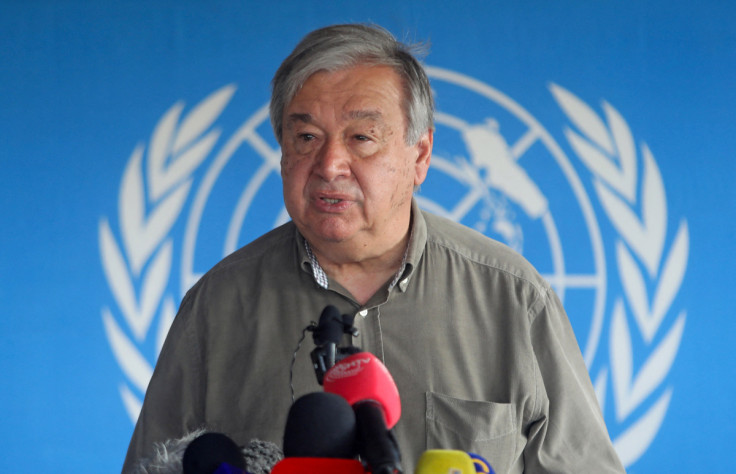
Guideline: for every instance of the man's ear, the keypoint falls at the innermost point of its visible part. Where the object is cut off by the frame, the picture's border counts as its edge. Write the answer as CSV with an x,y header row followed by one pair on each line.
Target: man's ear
x,y
424,156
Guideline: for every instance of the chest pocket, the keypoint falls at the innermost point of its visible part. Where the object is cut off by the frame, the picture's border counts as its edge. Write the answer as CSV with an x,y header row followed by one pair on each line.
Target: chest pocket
x,y
480,427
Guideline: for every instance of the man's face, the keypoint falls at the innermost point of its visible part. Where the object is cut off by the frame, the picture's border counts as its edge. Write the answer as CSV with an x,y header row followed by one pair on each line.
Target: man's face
x,y
347,172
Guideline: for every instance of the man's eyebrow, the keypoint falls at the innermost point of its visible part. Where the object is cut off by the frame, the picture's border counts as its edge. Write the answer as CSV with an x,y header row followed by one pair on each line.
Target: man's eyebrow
x,y
305,118
365,114
353,115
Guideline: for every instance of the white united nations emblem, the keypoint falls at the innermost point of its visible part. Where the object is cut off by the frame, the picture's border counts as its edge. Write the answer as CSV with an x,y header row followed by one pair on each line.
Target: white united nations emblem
x,y
595,226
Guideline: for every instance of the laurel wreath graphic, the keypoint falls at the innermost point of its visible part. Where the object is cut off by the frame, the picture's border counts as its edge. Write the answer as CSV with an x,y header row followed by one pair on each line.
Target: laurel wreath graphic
x,y
608,151
153,191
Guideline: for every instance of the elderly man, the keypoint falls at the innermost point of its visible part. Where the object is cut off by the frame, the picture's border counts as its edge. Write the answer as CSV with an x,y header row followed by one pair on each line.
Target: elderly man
x,y
479,345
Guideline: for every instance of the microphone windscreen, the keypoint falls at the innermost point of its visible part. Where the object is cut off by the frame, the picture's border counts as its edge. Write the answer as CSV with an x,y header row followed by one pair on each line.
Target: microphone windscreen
x,y
260,456
318,466
443,461
363,376
330,326
207,452
320,425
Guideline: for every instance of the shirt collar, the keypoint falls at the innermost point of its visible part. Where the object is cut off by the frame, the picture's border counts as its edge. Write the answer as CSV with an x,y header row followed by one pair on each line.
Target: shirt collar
x,y
320,277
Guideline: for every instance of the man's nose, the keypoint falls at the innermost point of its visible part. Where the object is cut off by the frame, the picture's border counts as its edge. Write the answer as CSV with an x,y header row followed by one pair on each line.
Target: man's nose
x,y
333,160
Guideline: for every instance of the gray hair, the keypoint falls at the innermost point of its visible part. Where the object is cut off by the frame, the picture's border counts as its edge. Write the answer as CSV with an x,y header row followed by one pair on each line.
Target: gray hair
x,y
338,47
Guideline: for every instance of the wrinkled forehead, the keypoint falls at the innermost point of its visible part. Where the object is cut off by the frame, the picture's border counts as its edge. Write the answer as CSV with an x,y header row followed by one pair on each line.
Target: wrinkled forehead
x,y
359,93
384,75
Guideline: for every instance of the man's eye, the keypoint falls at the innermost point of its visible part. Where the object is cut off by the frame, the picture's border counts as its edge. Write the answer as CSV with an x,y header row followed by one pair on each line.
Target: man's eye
x,y
362,138
306,137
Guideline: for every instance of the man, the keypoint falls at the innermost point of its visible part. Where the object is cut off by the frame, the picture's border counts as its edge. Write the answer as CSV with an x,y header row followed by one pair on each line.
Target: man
x,y
481,350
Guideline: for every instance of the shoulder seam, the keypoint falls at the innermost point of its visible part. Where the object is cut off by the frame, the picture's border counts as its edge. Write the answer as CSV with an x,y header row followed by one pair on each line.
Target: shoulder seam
x,y
541,287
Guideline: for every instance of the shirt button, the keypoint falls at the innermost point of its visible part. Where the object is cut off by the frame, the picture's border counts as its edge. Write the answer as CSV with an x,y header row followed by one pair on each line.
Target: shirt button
x,y
363,313
403,284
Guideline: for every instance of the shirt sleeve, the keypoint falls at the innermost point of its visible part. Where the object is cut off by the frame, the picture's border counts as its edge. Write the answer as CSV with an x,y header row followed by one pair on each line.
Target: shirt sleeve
x,y
174,399
568,434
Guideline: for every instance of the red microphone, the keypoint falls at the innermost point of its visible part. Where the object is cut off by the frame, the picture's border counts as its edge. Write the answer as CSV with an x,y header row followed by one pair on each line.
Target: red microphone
x,y
363,377
366,384
318,466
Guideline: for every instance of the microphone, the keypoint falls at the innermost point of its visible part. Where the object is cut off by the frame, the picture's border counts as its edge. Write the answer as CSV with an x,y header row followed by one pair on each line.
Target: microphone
x,y
257,457
443,461
213,453
260,456
363,377
318,466
320,437
480,463
327,336
320,425
364,381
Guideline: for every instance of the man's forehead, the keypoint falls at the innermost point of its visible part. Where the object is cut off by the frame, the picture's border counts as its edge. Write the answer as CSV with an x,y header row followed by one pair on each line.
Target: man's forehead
x,y
363,93
354,87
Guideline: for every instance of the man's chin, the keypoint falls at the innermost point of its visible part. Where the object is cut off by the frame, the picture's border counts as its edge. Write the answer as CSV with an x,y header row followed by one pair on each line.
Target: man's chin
x,y
328,231
334,236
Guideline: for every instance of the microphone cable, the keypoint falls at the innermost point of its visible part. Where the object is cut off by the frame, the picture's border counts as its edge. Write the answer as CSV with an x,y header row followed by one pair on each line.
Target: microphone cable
x,y
310,328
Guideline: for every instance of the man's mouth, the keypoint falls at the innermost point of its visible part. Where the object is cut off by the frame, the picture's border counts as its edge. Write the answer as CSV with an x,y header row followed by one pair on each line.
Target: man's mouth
x,y
331,200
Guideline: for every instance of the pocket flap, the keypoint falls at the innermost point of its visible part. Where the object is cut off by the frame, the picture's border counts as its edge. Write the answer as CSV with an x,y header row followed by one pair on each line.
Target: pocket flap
x,y
482,427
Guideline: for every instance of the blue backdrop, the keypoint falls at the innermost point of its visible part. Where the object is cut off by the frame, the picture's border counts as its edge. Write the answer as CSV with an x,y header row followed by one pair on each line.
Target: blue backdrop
x,y
595,137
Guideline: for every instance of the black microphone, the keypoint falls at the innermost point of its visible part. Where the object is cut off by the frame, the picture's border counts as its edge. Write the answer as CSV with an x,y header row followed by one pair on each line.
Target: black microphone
x,y
320,437
208,453
320,425
327,335
376,443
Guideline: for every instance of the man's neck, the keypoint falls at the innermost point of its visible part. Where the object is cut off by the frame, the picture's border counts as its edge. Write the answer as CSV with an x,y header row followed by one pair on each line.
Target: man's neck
x,y
361,274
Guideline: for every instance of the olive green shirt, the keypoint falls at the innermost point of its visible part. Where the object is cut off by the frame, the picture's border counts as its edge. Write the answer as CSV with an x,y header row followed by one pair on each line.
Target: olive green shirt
x,y
479,345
